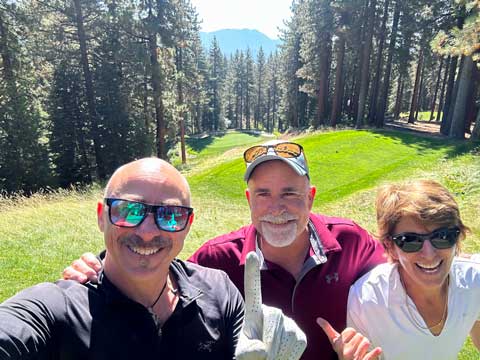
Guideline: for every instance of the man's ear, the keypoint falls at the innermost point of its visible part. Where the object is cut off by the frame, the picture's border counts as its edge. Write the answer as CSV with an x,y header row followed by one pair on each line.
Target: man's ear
x,y
247,194
311,195
100,219
190,220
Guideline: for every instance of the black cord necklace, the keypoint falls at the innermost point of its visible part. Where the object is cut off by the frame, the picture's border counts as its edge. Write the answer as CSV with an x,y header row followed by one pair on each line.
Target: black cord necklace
x,y
159,296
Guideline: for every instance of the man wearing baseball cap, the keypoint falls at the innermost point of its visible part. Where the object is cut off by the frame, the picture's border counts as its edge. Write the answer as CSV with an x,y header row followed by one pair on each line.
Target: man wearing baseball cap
x,y
308,261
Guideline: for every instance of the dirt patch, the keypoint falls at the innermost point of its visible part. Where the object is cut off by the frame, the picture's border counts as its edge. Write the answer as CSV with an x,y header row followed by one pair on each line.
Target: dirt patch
x,y
426,128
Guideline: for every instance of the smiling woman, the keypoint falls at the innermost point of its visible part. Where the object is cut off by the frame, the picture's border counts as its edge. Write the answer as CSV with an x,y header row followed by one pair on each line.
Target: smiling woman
x,y
425,295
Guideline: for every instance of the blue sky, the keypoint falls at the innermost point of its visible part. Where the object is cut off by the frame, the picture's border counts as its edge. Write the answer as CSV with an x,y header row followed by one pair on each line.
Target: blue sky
x,y
262,15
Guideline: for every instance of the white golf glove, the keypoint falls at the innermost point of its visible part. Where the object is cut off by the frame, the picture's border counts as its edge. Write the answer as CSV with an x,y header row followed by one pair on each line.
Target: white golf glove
x,y
266,334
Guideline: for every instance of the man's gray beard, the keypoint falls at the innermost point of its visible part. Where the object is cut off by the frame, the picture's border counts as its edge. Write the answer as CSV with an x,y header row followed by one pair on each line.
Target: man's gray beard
x,y
279,238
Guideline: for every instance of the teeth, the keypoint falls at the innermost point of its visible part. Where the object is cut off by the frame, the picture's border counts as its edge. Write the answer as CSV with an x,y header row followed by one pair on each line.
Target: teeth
x,y
429,267
144,251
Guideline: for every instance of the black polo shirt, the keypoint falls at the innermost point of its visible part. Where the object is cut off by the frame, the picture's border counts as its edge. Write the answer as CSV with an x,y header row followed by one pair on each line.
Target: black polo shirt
x,y
67,320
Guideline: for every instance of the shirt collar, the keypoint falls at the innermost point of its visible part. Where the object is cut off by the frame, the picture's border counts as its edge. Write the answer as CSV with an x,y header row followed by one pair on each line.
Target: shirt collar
x,y
187,291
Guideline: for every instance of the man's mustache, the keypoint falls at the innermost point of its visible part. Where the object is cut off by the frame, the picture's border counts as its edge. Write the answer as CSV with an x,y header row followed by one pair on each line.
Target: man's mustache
x,y
137,241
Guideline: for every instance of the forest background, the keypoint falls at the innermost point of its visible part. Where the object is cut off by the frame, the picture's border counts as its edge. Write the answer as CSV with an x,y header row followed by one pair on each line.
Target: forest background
x,y
88,85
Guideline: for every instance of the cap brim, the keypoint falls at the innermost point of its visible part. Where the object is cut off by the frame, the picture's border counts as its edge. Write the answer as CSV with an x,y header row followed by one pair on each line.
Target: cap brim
x,y
290,161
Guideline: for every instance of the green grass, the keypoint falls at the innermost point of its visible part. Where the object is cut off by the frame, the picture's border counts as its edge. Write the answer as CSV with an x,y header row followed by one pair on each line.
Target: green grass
x,y
206,151
42,234
422,115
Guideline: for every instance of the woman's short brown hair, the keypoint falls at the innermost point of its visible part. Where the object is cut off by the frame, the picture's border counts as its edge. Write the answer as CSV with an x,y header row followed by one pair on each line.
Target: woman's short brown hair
x,y
425,200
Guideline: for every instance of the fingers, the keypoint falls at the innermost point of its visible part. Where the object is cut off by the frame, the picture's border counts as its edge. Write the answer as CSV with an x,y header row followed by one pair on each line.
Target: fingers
x,y
374,354
349,344
250,349
331,333
83,269
69,273
293,341
253,297
92,261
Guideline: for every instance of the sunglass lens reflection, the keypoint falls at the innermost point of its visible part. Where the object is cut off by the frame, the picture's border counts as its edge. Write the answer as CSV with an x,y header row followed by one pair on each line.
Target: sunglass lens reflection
x,y
288,150
172,218
254,152
126,213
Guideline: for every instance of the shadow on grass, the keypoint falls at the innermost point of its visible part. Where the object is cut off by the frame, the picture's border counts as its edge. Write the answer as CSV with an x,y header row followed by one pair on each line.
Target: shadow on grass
x,y
199,142
453,148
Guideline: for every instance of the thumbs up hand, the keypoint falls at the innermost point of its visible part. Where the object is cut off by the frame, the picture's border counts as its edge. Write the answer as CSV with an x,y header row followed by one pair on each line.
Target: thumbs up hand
x,y
266,334
349,344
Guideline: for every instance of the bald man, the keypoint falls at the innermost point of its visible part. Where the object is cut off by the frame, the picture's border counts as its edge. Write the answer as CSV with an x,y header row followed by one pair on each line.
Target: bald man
x,y
147,304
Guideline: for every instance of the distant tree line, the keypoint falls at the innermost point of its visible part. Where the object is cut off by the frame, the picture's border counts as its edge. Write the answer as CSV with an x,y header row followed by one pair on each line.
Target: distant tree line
x,y
90,84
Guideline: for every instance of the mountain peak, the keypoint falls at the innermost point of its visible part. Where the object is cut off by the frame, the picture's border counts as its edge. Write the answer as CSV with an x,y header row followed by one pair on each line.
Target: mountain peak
x,y
231,40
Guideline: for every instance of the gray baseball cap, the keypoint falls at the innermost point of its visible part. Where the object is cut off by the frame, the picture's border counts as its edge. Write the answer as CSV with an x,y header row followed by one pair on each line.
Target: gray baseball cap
x,y
291,154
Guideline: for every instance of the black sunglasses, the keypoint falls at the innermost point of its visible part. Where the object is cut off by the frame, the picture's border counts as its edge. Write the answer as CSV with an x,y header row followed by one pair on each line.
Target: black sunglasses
x,y
443,238
129,214
284,149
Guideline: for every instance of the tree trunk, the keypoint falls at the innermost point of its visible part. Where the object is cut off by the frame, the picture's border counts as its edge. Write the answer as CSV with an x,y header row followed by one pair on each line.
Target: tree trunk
x,y
146,112
157,95
180,104
476,130
383,104
269,95
442,92
420,92
274,105
437,84
378,67
457,129
337,97
322,87
447,123
413,104
398,101
365,67
89,91
471,103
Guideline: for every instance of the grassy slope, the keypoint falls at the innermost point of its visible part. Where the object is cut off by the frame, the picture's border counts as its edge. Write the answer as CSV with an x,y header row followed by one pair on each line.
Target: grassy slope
x,y
41,235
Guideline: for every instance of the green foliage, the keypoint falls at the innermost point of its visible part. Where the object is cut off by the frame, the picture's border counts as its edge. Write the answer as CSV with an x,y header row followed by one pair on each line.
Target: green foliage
x,y
464,40
23,151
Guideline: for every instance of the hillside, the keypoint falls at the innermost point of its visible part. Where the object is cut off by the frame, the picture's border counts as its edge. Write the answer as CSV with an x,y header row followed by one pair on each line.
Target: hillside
x,y
232,39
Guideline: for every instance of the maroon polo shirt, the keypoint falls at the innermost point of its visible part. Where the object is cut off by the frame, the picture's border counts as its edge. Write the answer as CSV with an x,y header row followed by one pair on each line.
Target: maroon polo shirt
x,y
341,252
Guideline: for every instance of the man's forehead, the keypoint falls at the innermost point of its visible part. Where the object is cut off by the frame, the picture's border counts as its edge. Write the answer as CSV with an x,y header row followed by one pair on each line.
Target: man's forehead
x,y
151,182
150,190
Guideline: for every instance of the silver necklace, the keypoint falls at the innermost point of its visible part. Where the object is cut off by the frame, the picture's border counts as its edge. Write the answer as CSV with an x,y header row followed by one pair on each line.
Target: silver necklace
x,y
413,317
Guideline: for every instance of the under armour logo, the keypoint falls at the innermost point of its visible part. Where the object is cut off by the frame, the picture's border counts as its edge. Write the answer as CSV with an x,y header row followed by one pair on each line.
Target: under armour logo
x,y
331,277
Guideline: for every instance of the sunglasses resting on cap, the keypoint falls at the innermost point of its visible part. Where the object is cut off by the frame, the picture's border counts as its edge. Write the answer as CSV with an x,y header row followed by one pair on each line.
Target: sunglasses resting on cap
x,y
288,152
129,214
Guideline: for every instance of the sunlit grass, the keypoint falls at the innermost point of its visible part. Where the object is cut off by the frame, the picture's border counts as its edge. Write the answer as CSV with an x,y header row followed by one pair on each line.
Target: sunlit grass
x,y
422,115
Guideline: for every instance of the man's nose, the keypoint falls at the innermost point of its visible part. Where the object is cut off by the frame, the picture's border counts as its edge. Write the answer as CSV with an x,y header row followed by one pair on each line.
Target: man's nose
x,y
277,206
148,228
